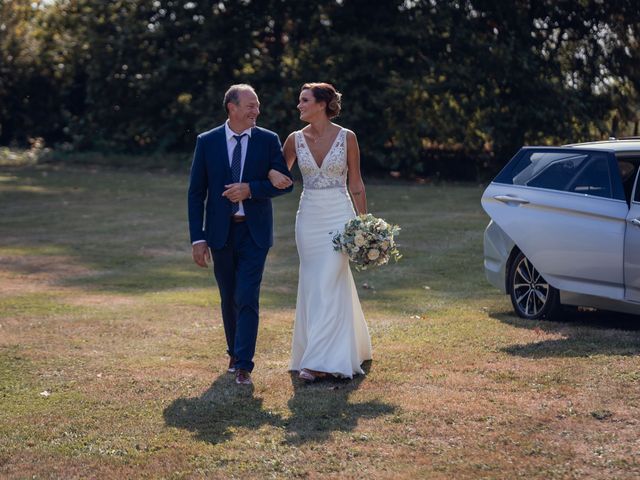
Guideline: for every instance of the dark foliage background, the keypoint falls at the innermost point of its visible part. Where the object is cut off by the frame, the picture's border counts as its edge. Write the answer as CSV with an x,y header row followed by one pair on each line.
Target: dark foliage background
x,y
432,88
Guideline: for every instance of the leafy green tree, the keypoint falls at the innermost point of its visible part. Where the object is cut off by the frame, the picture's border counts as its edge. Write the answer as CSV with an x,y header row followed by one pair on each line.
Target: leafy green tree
x,y
431,87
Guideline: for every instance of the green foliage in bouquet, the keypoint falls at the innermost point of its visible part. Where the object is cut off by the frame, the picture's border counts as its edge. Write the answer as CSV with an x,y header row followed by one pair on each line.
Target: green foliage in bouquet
x,y
368,241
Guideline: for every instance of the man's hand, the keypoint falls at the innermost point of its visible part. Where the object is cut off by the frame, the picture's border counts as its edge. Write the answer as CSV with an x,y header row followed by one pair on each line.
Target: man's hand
x,y
237,192
279,180
200,253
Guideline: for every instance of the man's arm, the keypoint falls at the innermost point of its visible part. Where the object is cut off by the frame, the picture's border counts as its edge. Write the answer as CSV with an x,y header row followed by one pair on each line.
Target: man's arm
x,y
264,188
198,189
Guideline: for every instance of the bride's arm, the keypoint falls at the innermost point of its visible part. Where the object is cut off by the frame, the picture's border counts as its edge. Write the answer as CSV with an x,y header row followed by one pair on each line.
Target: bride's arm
x,y
356,185
276,178
289,150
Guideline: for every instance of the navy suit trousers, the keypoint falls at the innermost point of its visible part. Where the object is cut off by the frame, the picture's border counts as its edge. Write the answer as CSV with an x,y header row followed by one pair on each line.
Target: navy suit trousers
x,y
238,268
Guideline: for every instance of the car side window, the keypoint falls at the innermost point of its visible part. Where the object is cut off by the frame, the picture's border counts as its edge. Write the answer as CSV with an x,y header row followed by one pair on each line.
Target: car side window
x,y
555,173
593,179
569,171
586,172
628,168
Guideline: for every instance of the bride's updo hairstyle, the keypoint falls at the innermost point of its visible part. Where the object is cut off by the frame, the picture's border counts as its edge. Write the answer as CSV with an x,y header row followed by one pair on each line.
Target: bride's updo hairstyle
x,y
325,92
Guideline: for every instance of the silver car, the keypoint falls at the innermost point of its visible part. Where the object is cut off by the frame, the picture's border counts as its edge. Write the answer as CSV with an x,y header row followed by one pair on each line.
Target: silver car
x,y
565,228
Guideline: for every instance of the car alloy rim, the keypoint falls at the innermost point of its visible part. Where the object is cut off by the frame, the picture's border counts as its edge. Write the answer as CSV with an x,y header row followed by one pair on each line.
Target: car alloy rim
x,y
530,290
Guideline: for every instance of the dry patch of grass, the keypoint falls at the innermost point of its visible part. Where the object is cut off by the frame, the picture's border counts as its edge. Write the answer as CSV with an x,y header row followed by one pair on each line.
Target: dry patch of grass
x,y
112,353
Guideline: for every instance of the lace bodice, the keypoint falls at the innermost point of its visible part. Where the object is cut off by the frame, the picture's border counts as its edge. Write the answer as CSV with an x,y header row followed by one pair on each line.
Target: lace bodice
x,y
333,171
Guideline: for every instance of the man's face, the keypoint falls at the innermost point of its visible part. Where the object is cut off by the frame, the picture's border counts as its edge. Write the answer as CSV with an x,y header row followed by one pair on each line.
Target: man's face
x,y
245,114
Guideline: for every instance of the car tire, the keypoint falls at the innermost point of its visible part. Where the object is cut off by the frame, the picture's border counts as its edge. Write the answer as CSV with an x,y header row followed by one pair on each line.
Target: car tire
x,y
532,296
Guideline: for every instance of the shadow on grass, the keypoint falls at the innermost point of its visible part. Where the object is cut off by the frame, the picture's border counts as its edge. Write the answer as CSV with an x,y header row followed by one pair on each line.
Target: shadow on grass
x,y
321,408
218,412
584,333
317,410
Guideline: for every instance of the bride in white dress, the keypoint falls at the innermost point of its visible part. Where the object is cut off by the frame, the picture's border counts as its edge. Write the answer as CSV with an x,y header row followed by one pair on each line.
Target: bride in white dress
x,y
330,335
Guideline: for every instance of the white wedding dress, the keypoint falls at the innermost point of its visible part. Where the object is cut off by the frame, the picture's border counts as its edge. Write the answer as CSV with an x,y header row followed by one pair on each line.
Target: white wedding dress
x,y
330,334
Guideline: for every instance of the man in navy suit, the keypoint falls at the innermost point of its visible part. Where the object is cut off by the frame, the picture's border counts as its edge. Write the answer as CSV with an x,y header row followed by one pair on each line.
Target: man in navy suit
x,y
230,216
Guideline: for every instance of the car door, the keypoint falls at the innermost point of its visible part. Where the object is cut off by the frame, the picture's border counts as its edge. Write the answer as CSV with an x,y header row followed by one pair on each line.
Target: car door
x,y
632,247
565,210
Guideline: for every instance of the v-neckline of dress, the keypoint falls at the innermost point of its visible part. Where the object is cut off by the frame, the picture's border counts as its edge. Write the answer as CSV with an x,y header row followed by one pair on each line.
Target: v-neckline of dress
x,y
319,167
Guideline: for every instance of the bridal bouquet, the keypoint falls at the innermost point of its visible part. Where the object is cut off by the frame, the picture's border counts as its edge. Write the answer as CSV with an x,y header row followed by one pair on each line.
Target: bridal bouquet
x,y
368,241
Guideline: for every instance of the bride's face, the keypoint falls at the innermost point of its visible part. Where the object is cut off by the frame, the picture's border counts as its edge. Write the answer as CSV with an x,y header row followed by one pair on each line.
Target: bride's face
x,y
308,106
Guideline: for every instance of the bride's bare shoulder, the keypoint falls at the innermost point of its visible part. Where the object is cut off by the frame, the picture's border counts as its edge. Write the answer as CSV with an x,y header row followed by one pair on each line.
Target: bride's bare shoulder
x,y
349,133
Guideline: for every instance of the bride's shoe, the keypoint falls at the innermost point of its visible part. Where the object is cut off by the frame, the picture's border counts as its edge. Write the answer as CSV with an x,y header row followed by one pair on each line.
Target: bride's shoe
x,y
306,375
311,375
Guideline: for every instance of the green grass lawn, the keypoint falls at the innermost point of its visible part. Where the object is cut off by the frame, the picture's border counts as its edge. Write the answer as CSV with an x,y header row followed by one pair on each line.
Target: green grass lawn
x,y
112,353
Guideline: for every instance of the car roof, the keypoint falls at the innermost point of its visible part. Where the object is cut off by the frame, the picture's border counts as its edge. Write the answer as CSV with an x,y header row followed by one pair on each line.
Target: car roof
x,y
617,145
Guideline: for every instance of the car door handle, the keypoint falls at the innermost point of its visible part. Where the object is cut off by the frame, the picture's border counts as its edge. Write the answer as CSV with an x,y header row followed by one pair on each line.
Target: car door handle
x,y
635,221
510,199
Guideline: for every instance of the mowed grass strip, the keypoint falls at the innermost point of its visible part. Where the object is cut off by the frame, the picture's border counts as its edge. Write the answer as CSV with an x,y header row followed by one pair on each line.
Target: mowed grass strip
x,y
112,354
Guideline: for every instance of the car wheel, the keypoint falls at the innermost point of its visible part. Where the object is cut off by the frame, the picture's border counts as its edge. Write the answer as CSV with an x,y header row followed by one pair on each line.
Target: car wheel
x,y
532,297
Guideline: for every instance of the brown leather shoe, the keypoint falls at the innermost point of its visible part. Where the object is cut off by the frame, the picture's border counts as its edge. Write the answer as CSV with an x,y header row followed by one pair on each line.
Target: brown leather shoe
x,y
243,377
232,365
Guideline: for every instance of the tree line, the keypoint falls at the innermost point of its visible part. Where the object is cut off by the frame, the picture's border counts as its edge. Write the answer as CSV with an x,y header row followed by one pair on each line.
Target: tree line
x,y
433,87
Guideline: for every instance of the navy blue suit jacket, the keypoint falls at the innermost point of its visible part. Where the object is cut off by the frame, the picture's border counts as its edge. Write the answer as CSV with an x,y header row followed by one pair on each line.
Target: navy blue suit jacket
x,y
209,211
